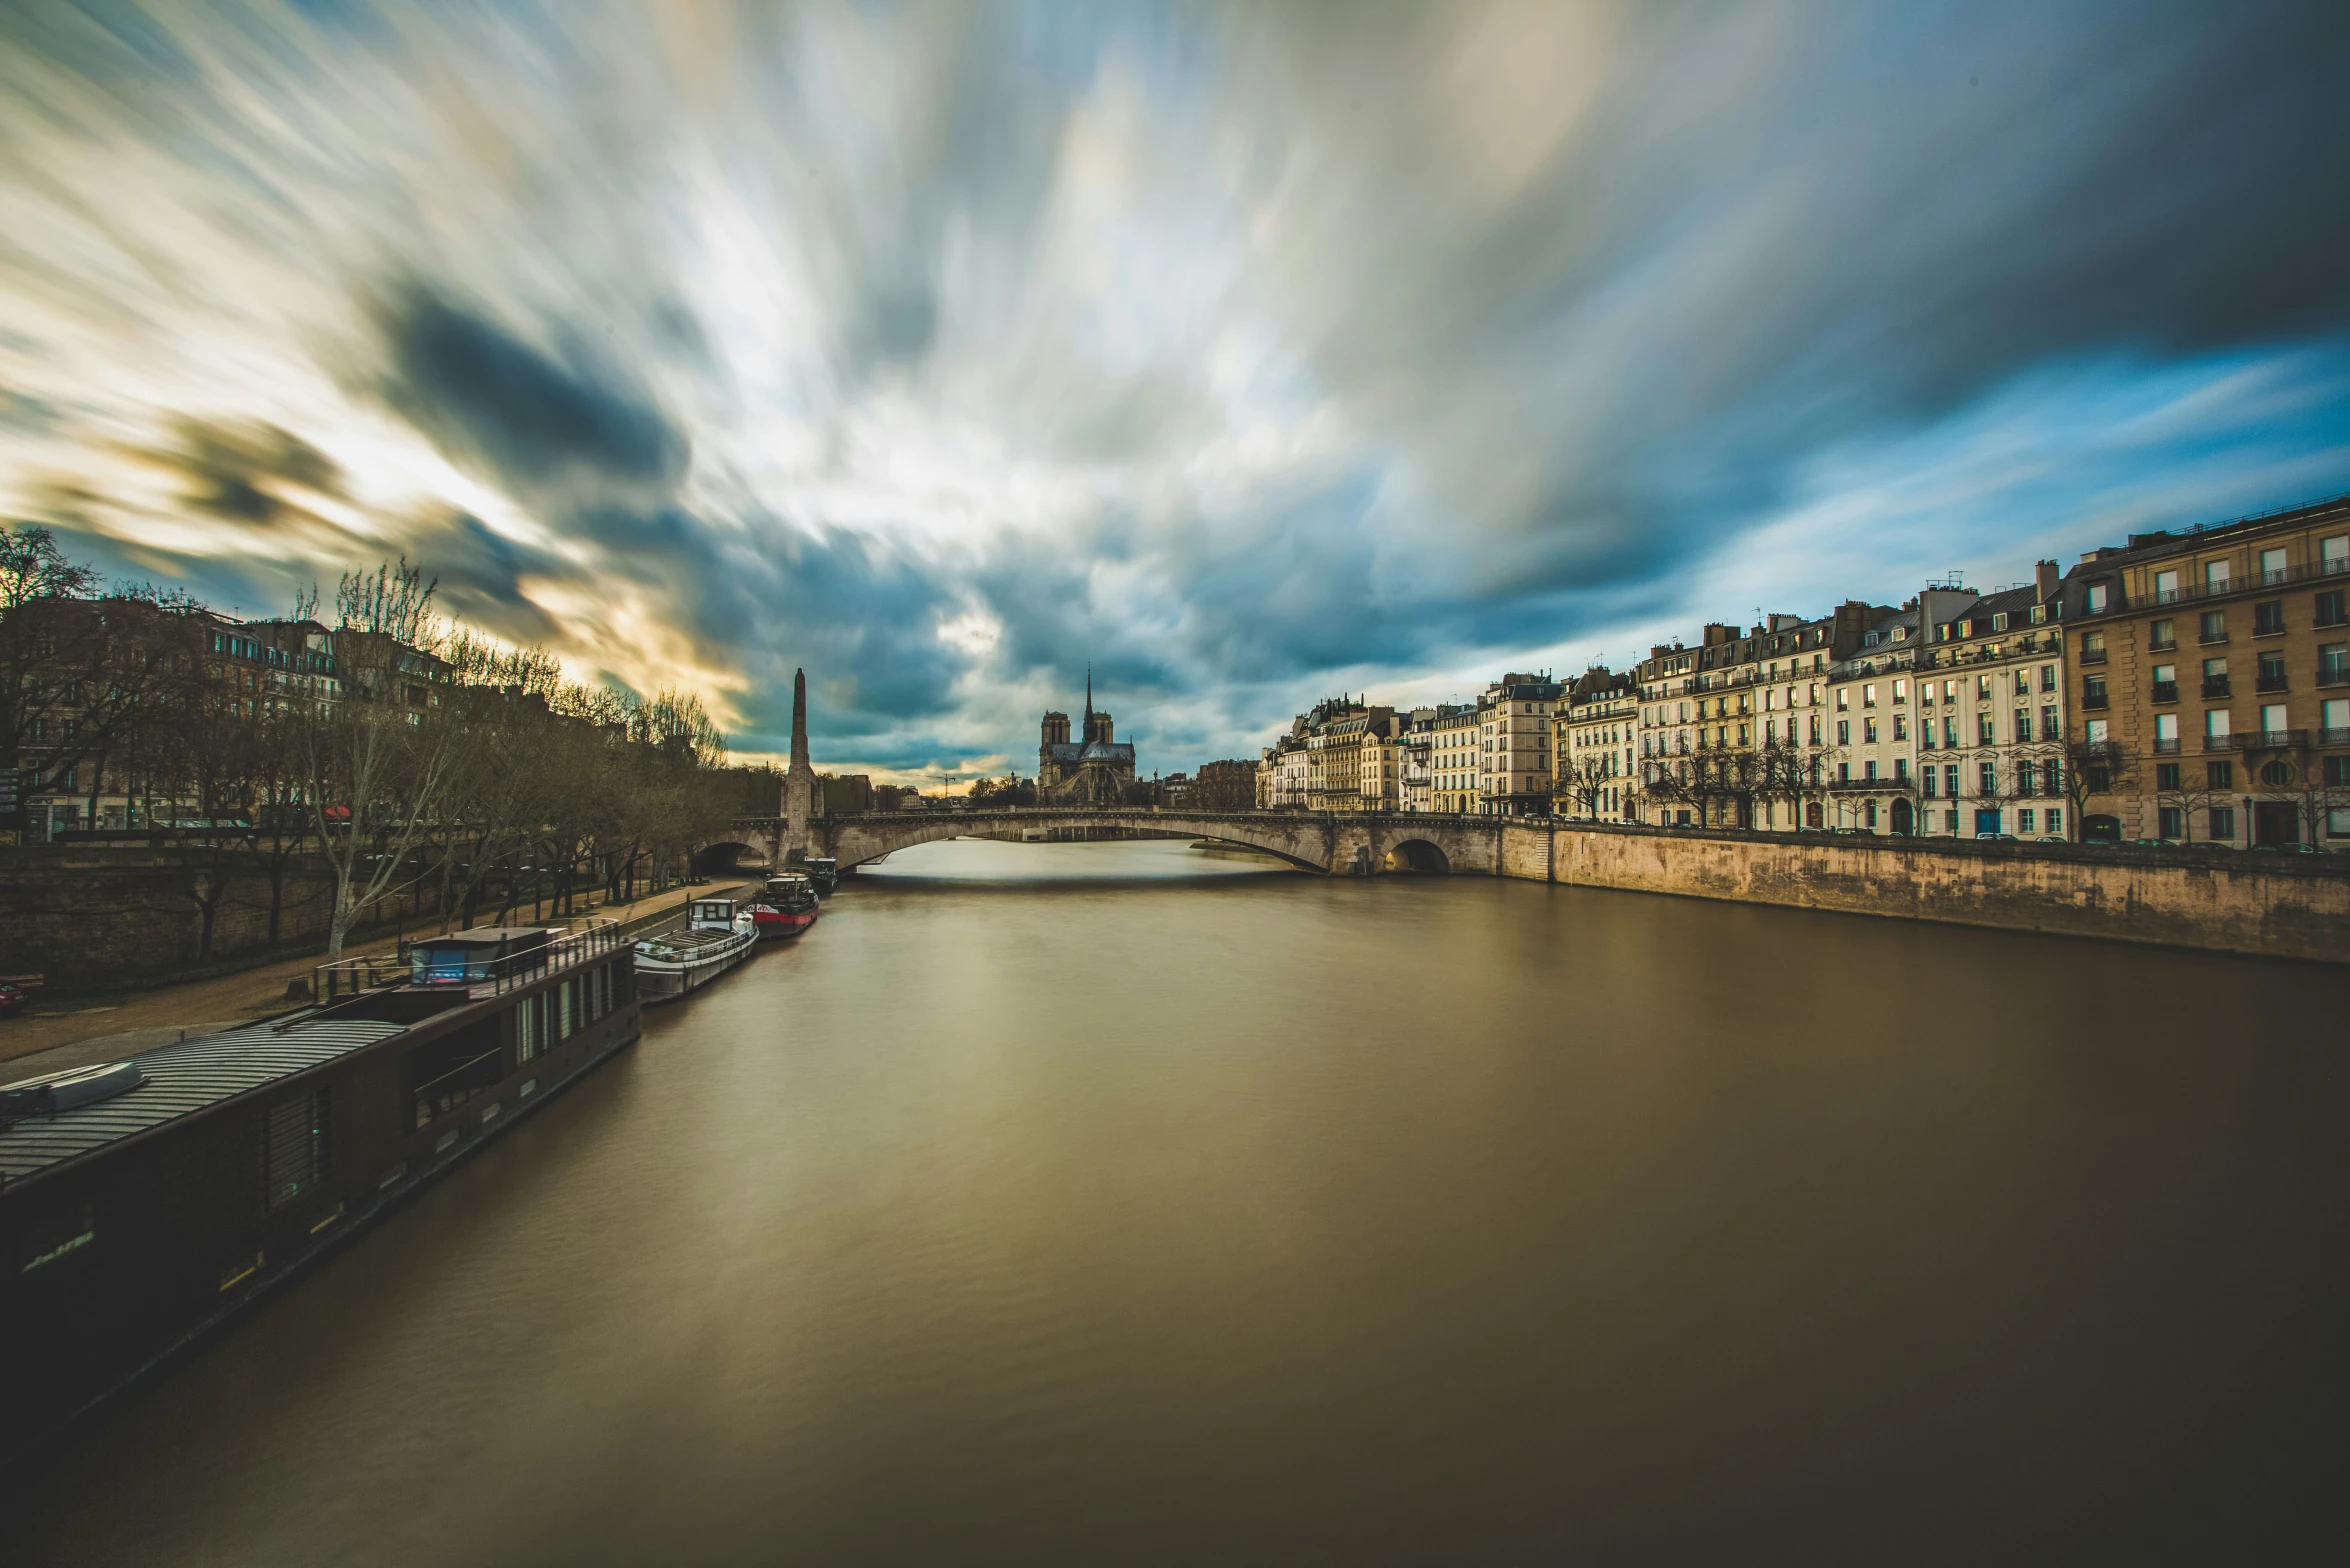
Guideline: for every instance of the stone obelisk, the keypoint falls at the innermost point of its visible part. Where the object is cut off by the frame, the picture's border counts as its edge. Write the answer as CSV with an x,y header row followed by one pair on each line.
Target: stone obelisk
x,y
799,781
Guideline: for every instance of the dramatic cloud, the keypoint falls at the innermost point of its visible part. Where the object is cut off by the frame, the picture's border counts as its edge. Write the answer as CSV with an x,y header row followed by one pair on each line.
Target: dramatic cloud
x,y
1250,352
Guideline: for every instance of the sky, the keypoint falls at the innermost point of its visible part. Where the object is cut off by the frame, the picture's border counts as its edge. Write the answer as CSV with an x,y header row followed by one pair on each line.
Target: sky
x,y
1248,354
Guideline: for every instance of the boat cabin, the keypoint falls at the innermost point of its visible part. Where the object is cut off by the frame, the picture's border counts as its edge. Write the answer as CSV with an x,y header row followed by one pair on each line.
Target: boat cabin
x,y
711,914
470,957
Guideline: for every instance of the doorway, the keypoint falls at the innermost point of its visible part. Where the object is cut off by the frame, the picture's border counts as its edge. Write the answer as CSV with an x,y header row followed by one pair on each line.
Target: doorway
x,y
2275,822
1903,822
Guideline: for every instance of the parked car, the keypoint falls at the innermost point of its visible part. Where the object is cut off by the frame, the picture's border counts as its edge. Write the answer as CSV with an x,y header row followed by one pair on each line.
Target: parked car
x,y
12,999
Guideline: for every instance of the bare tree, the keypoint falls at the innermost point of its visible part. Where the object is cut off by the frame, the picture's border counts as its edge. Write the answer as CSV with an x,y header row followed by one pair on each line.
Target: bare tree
x,y
379,757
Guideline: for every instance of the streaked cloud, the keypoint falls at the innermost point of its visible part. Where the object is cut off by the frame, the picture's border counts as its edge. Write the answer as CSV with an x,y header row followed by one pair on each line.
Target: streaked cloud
x,y
1249,352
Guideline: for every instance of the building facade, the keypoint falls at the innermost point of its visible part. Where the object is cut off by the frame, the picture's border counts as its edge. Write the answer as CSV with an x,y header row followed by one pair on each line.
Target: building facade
x,y
2209,682
1596,733
1094,770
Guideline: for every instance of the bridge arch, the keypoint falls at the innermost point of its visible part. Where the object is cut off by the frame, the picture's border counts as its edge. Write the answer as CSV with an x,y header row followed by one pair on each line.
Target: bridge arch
x,y
1344,843
726,854
1419,856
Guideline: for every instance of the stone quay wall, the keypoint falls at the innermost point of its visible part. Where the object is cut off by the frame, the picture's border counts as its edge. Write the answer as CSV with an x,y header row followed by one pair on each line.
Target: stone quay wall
x,y
101,918
2272,905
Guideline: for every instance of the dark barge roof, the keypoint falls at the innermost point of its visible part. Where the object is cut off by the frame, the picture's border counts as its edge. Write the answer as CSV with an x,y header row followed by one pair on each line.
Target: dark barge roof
x,y
182,1079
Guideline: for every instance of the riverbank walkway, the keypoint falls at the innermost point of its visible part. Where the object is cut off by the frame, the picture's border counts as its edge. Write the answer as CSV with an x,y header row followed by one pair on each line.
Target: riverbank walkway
x,y
83,1030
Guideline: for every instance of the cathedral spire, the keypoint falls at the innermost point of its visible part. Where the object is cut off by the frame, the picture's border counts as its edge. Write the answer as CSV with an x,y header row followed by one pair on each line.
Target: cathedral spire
x,y
1089,698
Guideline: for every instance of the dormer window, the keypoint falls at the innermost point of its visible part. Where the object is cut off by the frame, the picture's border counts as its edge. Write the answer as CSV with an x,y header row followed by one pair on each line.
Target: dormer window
x,y
1900,634
1869,640
1966,628
1999,621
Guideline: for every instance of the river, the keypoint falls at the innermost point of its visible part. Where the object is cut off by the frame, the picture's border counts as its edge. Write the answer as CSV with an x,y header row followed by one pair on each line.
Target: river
x,y
1113,1203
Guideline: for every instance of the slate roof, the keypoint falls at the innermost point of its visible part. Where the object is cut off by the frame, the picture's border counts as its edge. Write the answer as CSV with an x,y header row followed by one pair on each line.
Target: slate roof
x,y
182,1079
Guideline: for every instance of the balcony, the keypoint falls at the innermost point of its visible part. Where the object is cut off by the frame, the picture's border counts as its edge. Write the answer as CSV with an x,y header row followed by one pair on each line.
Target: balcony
x,y
2219,742
2092,655
2272,740
2096,704
2166,691
2166,745
2215,686
2267,682
2334,675
2334,737
2255,580
2214,640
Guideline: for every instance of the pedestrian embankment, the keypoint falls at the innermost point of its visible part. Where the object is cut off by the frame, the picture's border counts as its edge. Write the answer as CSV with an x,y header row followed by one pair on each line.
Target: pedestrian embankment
x,y
2257,902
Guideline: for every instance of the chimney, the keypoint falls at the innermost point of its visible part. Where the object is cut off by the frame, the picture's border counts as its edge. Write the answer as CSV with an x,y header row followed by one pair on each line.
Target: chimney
x,y
1716,633
2047,577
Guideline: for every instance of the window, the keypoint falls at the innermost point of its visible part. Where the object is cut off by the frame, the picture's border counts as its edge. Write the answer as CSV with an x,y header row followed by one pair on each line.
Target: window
x,y
2214,626
2333,716
2093,598
2272,718
2166,777
2093,691
2056,821
2215,724
2166,587
2092,647
1983,735
2170,822
2215,677
1868,769
2215,576
2330,609
2268,618
2023,777
1901,767
1868,731
1987,778
1843,699
2098,732
2219,775
2271,674
1999,622
2337,771
2333,663
1950,780
2166,732
2162,634
2023,820
1901,726
1982,688
2333,554
2047,679
2276,775
1901,691
2223,823
2272,567
1926,783
1843,732
2338,822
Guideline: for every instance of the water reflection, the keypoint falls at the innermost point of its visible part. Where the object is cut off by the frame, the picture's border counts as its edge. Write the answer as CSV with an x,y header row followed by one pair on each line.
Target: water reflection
x,y
1111,1203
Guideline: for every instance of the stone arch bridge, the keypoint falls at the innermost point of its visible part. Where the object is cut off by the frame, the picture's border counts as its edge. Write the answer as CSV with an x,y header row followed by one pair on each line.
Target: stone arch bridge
x,y
1342,844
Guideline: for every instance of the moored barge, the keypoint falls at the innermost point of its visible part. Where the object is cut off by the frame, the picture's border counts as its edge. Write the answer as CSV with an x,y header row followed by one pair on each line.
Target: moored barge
x,y
146,1202
785,907
715,938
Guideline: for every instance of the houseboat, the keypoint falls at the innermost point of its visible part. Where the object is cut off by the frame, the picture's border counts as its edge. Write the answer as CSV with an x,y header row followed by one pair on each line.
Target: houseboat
x,y
716,936
824,871
785,907
146,1202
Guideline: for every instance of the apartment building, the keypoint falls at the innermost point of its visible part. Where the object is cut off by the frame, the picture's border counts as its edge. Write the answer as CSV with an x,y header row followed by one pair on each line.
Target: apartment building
x,y
1731,731
1993,761
1516,717
1596,729
2211,682
1455,743
1417,790
1870,751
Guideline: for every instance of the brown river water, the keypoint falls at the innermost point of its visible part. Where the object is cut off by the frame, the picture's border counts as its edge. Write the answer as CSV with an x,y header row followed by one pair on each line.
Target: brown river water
x,y
1113,1203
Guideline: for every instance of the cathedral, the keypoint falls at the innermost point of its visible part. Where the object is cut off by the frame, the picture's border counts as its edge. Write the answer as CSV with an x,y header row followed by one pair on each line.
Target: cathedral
x,y
1091,772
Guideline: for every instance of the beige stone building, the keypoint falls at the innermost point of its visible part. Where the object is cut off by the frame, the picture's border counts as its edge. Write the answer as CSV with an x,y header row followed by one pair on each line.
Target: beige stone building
x,y
1455,742
1516,723
2209,682
1596,730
